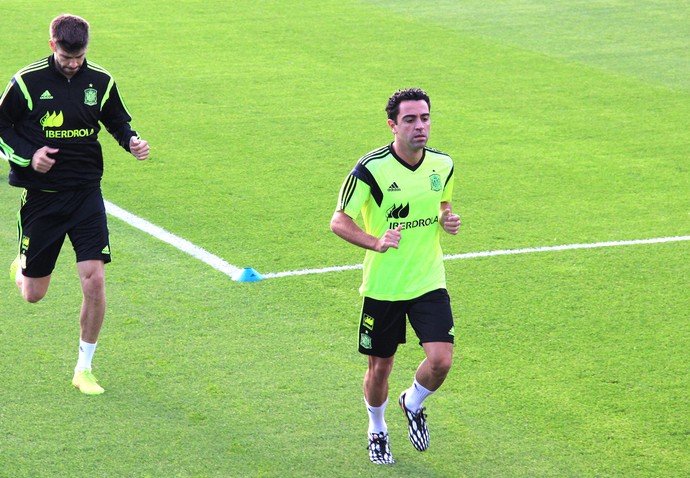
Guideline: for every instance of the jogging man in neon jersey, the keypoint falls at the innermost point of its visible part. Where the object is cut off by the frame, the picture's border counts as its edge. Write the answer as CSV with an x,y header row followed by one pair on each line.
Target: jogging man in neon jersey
x,y
49,125
403,191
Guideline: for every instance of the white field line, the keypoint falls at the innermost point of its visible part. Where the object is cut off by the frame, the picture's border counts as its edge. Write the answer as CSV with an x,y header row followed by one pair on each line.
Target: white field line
x,y
567,247
230,270
175,241
471,255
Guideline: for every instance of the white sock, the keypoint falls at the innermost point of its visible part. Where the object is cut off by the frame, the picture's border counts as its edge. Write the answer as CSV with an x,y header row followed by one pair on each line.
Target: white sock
x,y
415,396
377,423
86,351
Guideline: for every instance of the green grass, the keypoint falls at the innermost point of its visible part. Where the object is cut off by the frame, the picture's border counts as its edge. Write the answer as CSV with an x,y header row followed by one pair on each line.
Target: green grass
x,y
568,125
645,41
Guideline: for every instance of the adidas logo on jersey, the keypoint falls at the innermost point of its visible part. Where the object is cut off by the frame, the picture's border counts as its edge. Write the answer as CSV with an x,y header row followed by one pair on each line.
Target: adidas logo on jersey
x,y
393,187
46,95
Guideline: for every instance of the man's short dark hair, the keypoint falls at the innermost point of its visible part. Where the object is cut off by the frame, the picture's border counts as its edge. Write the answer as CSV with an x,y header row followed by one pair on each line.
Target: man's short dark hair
x,y
409,94
70,32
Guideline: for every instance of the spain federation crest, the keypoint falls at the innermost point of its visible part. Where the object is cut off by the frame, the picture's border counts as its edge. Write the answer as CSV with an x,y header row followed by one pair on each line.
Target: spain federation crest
x,y
435,182
90,97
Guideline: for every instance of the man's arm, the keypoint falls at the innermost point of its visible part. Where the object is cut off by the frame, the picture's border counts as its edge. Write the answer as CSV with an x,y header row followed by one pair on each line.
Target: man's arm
x,y
344,226
116,119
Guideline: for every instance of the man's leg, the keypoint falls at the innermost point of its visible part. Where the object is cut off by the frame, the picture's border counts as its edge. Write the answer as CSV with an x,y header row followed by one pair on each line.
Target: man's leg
x,y
376,399
92,277
376,380
39,240
430,375
433,370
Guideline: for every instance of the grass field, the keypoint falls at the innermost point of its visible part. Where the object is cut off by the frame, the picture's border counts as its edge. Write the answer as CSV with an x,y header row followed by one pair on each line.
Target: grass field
x,y
568,125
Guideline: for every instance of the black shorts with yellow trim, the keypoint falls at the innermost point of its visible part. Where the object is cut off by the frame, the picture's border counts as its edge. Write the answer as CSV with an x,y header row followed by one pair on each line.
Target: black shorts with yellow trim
x,y
46,218
383,324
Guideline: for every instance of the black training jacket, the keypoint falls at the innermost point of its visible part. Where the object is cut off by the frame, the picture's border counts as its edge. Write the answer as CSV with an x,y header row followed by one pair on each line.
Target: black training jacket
x,y
40,107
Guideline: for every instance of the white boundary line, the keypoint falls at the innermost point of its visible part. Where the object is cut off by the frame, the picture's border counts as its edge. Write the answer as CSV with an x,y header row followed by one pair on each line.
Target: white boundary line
x,y
182,244
471,255
567,247
230,270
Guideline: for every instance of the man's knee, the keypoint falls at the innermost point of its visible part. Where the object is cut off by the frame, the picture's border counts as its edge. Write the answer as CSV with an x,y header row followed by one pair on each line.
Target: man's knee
x,y
94,288
33,289
380,368
92,277
440,366
439,358
32,296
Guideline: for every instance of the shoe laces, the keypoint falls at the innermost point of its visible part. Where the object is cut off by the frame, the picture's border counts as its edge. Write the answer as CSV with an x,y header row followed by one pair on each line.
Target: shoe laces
x,y
88,375
420,416
379,440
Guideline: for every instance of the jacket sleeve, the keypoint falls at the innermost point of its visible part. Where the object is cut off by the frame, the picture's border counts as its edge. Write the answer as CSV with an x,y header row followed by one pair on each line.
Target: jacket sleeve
x,y
13,106
116,118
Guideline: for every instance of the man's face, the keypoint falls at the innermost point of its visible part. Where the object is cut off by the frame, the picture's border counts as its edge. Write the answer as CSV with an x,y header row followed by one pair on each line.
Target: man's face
x,y
412,125
68,63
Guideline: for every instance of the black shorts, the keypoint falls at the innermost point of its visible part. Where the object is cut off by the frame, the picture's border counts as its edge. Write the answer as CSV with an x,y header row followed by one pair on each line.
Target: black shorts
x,y
382,325
45,218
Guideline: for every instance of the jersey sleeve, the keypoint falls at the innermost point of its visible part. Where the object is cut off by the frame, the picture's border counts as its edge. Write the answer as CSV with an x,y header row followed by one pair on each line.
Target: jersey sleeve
x,y
116,118
13,105
447,195
354,194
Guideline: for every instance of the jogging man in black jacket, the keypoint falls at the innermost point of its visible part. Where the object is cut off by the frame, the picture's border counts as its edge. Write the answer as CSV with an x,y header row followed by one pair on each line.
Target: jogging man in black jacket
x,y
50,116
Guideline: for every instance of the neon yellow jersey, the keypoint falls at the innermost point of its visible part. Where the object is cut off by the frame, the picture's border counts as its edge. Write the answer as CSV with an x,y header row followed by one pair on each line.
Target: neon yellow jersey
x,y
390,193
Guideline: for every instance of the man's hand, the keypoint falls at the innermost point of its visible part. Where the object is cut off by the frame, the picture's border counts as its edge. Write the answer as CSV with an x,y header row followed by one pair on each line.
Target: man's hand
x,y
390,238
41,162
139,148
450,222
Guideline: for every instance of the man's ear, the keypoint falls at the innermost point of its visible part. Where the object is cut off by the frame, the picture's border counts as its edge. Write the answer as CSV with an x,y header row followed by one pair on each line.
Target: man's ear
x,y
393,126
